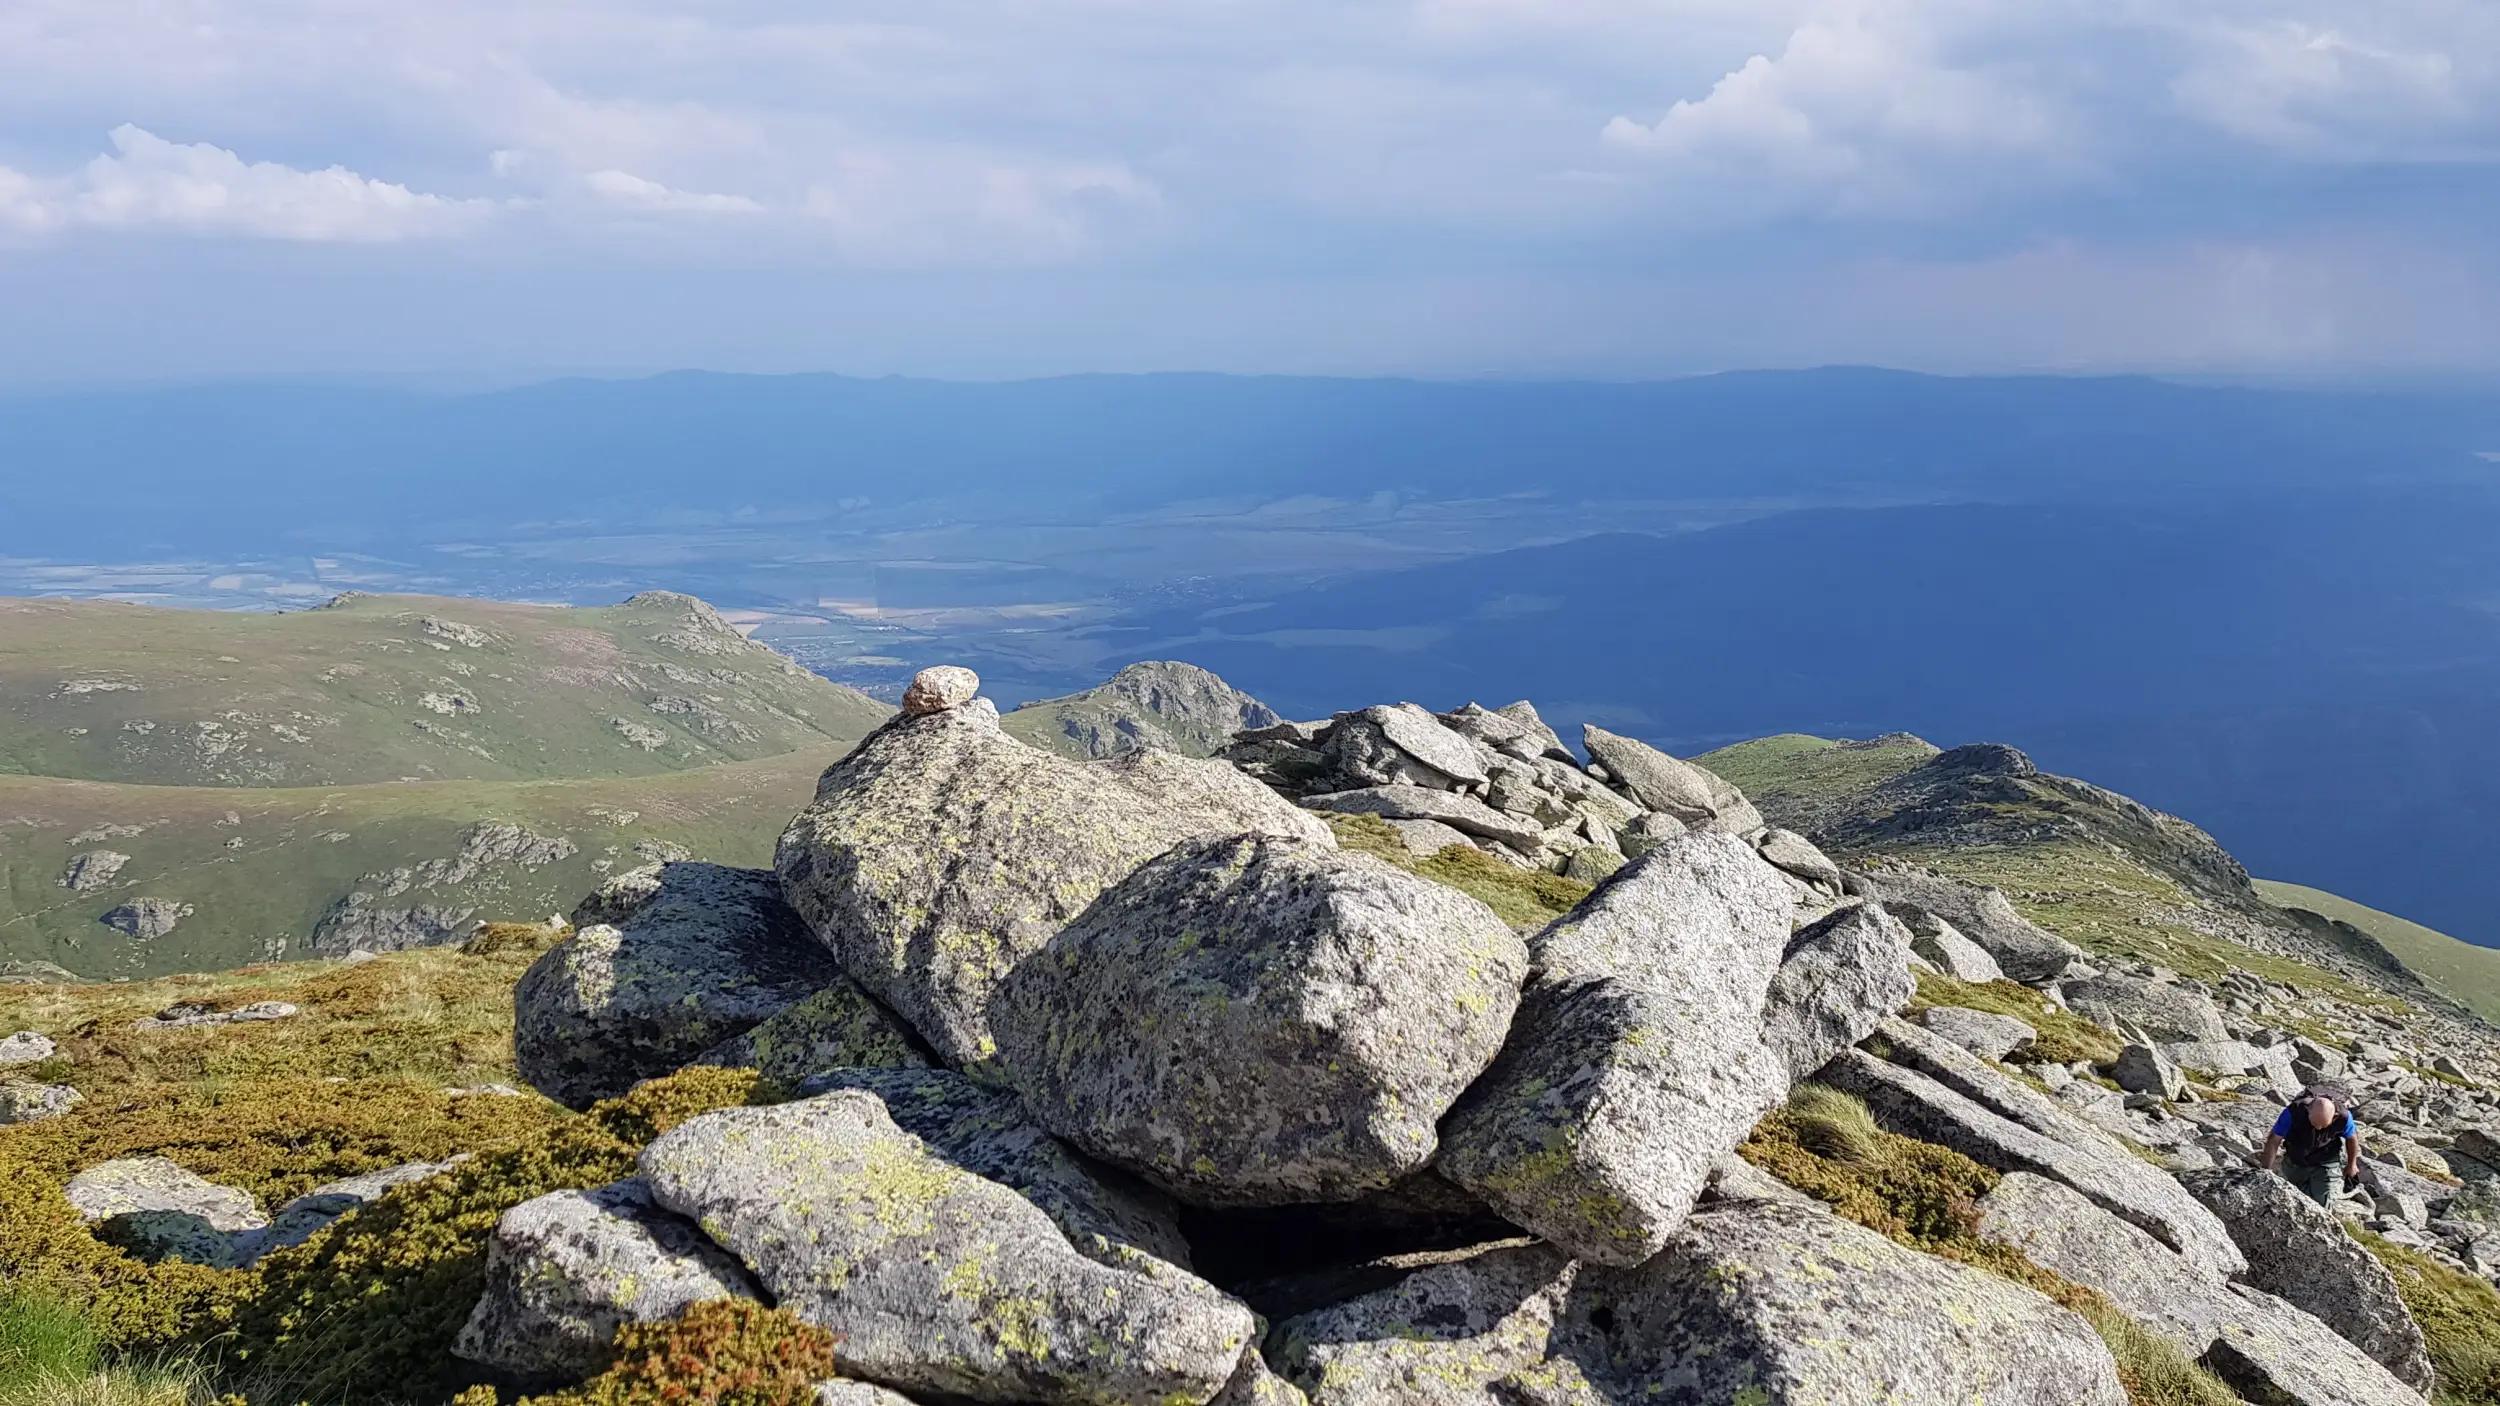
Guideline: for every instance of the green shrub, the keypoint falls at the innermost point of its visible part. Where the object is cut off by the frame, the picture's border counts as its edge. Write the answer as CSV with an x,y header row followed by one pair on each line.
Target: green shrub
x,y
2460,1318
369,1307
275,1140
2152,1368
725,1352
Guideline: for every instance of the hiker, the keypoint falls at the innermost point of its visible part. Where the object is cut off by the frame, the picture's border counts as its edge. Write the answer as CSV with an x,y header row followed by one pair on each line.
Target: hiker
x,y
2324,1141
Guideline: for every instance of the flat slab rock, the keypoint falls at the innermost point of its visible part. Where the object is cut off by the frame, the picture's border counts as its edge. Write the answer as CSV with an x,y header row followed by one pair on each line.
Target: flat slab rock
x,y
1938,1092
942,852
934,1279
1253,1021
158,1209
2022,949
1768,1302
2268,1349
2297,1251
1637,1058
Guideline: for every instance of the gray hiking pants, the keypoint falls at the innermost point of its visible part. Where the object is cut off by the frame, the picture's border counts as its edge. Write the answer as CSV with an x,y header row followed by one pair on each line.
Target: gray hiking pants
x,y
2324,1185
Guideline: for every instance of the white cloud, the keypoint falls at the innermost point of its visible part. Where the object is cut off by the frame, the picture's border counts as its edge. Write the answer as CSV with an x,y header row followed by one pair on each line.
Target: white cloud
x,y
623,188
146,181
929,208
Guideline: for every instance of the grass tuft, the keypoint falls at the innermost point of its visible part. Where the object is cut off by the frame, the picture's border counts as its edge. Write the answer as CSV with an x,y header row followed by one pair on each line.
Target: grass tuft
x,y
2065,1038
2460,1318
1524,898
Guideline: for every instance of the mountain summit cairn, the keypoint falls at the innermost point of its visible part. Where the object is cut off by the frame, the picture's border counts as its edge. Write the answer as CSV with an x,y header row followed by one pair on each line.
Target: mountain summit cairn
x,y
934,690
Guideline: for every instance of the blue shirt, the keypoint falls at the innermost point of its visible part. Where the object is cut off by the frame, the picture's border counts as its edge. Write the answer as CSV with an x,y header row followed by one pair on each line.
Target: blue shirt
x,y
2283,1125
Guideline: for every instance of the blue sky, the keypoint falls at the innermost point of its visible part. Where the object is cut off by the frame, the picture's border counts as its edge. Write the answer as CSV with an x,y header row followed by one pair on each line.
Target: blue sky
x,y
499,188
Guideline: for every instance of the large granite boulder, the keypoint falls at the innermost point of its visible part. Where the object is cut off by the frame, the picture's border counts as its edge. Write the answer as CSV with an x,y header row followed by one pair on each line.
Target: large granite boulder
x,y
2021,948
1105,1214
941,852
1694,795
1839,978
931,1278
1256,1021
565,1271
665,962
1761,1303
2297,1251
1931,1089
1637,1059
2139,1005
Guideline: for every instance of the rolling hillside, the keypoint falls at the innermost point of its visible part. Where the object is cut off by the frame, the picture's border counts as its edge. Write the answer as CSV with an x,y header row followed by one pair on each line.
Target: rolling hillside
x,y
2469,974
195,790
261,874
394,688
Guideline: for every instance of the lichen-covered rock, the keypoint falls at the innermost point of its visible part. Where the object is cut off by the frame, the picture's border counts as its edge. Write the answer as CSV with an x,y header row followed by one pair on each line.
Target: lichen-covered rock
x,y
1637,1059
33,1103
942,852
25,1047
2267,1350
157,1209
666,962
858,1394
1838,979
1258,1021
839,1027
2024,950
1941,1093
1400,745
2063,1231
1106,1215
1694,795
565,1271
2297,1251
1983,1033
2140,1005
1776,1303
931,1278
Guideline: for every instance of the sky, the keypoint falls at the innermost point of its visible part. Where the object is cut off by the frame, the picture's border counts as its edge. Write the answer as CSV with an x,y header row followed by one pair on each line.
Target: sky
x,y
502,189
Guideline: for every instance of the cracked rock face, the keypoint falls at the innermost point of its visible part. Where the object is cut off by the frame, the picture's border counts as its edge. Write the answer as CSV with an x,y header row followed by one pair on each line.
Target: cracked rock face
x,y
932,1278
2297,1251
668,962
1637,1059
565,1271
1256,1021
943,852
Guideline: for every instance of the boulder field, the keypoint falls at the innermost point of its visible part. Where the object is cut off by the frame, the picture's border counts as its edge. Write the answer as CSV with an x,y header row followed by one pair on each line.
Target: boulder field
x,y
1086,1058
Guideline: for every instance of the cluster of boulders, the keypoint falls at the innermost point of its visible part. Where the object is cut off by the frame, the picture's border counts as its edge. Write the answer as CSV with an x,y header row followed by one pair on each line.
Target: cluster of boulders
x,y
1121,1082
1501,780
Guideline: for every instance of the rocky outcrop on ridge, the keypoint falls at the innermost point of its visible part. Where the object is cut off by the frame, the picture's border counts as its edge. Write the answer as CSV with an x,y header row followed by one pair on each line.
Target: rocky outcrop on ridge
x,y
1072,1063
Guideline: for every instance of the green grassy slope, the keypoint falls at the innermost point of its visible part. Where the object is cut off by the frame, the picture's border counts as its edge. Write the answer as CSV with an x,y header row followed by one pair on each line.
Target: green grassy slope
x,y
386,688
1793,765
2106,874
262,868
2469,974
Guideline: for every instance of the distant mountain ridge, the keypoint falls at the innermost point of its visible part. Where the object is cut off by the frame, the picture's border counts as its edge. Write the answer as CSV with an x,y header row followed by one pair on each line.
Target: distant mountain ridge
x,y
1157,704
